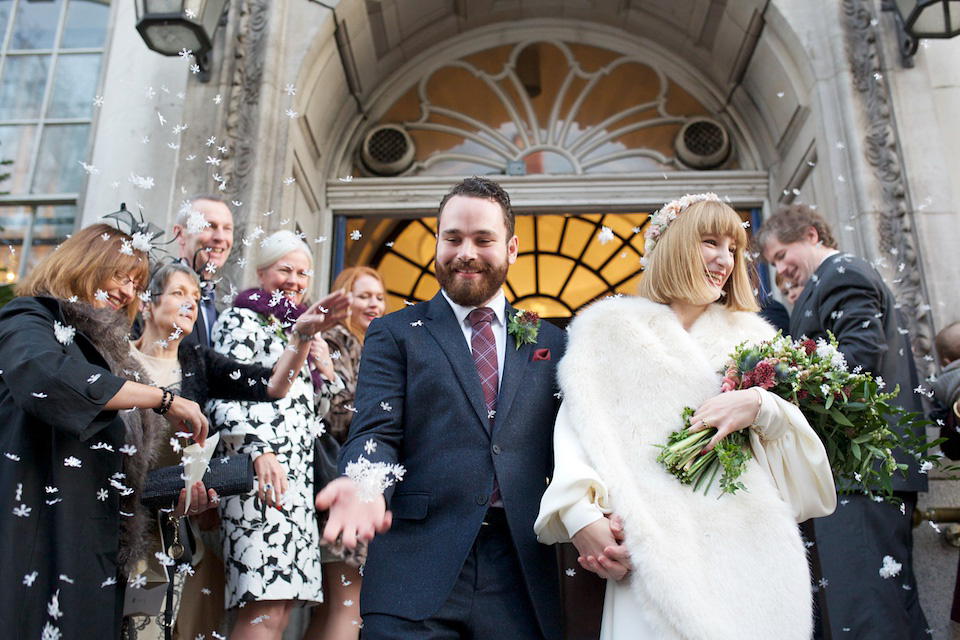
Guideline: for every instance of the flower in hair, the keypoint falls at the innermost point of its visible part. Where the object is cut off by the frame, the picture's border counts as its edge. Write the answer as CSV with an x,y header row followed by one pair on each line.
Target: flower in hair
x,y
660,220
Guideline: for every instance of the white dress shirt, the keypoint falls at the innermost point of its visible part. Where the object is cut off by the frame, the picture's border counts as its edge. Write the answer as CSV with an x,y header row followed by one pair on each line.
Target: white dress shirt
x,y
498,326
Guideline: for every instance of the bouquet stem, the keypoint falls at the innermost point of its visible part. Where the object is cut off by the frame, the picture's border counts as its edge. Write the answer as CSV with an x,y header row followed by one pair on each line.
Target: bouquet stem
x,y
685,458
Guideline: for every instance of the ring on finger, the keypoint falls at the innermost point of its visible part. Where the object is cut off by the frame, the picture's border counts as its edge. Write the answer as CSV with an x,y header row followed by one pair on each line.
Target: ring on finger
x,y
268,486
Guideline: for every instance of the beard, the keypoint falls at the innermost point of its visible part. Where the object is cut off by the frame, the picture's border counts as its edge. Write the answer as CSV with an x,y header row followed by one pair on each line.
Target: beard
x,y
471,293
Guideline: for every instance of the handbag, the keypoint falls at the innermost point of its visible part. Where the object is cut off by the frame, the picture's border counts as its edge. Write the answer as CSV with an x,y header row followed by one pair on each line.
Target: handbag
x,y
228,476
325,452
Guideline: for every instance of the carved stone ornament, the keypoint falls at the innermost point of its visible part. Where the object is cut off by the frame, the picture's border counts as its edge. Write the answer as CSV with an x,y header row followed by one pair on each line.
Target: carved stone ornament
x,y
895,215
241,125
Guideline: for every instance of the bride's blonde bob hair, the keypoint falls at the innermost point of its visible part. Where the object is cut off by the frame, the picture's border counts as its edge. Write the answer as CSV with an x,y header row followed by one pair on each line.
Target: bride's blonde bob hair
x,y
675,269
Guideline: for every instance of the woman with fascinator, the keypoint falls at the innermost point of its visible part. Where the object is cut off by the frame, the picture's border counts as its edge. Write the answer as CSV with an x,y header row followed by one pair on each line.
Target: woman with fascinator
x,y
696,567
271,543
75,450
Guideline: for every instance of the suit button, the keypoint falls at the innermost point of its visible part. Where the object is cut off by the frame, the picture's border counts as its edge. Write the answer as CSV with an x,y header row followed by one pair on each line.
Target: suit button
x,y
496,449
481,499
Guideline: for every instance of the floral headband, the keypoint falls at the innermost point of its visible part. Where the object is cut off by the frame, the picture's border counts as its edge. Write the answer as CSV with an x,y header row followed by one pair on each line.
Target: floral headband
x,y
667,214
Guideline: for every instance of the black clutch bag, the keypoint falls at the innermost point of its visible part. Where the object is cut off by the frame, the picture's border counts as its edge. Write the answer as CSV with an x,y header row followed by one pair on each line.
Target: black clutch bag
x,y
325,452
228,476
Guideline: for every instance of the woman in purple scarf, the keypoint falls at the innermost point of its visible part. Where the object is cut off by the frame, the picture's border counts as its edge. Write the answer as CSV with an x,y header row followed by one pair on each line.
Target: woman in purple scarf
x,y
271,545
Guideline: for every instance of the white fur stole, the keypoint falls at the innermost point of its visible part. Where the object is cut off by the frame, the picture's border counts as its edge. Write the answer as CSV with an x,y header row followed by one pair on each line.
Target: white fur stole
x,y
716,567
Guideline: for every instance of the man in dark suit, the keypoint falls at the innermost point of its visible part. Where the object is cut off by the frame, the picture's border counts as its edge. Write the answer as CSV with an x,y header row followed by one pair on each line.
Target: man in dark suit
x,y
204,233
843,294
468,410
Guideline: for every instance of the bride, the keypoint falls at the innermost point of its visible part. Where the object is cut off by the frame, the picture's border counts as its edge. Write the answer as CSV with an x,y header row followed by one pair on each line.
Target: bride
x,y
704,567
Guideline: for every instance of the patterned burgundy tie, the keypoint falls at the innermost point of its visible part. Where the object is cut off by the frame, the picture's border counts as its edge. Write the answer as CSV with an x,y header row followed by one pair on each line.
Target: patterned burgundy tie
x,y
484,348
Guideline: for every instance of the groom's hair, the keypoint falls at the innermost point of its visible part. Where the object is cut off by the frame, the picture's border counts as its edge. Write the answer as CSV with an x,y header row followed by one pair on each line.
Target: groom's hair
x,y
477,187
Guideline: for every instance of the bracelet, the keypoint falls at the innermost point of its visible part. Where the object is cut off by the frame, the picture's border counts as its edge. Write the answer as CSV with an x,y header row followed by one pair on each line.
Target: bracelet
x,y
165,402
759,406
303,337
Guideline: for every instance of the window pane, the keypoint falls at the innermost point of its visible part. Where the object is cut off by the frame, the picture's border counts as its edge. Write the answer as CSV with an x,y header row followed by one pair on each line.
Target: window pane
x,y
62,147
74,86
21,86
36,25
5,7
86,24
13,226
53,224
16,144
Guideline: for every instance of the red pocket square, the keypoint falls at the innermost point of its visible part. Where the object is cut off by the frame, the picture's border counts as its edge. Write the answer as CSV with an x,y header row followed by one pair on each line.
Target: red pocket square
x,y
541,354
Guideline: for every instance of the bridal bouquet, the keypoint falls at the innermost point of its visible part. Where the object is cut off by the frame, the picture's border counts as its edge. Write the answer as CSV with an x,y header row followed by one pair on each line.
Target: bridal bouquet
x,y
847,409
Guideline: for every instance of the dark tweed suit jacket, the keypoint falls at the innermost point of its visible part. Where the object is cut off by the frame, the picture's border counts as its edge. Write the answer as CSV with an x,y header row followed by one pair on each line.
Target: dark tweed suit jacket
x,y
419,399
849,298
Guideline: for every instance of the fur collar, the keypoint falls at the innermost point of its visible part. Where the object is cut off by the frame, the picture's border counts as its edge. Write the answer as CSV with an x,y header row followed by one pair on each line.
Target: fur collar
x,y
732,568
108,331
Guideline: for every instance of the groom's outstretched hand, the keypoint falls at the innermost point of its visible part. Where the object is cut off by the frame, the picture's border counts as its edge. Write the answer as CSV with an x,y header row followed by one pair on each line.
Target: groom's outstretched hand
x,y
351,520
601,548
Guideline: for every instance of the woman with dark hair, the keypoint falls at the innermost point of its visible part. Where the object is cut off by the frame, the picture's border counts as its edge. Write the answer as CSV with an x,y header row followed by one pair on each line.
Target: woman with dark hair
x,y
75,452
200,373
703,566
339,618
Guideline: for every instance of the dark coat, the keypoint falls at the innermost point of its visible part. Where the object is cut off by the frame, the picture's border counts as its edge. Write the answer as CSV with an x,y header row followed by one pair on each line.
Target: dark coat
x,y
208,374
62,522
417,361
847,297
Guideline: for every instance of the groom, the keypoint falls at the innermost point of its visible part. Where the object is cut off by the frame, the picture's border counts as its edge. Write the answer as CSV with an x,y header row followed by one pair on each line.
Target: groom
x,y
449,393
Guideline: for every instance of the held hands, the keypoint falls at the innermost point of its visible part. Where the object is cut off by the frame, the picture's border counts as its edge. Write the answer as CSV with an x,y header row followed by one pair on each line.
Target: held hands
x,y
601,548
271,478
327,312
350,519
727,412
200,500
186,416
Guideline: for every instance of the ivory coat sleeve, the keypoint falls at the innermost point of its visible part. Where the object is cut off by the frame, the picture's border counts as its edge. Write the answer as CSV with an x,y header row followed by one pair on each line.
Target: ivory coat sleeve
x,y
786,446
576,496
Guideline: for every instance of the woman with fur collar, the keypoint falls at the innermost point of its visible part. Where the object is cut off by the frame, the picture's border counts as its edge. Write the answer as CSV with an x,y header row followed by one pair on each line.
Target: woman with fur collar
x,y
75,452
703,567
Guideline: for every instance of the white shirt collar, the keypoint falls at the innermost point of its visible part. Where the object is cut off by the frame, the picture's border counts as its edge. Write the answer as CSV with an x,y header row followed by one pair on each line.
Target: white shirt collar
x,y
498,305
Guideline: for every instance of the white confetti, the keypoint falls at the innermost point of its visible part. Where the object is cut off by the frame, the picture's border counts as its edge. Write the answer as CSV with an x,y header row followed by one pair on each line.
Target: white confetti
x,y
890,568
373,478
605,235
72,461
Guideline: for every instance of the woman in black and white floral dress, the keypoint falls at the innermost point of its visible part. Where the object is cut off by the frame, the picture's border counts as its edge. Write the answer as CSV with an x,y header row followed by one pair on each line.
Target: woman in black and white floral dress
x,y
271,544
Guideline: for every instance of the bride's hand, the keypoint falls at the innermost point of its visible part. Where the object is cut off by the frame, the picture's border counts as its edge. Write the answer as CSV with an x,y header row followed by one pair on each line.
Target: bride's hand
x,y
726,412
599,550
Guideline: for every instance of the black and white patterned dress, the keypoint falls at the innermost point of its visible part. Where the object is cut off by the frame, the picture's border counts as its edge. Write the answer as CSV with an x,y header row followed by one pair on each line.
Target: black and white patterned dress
x,y
271,555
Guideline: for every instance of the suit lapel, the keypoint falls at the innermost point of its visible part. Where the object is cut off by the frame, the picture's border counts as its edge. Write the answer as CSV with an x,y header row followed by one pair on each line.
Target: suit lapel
x,y
514,361
442,324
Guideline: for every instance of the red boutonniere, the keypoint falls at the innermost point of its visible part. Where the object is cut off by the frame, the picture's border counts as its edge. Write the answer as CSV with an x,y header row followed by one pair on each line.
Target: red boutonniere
x,y
524,326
